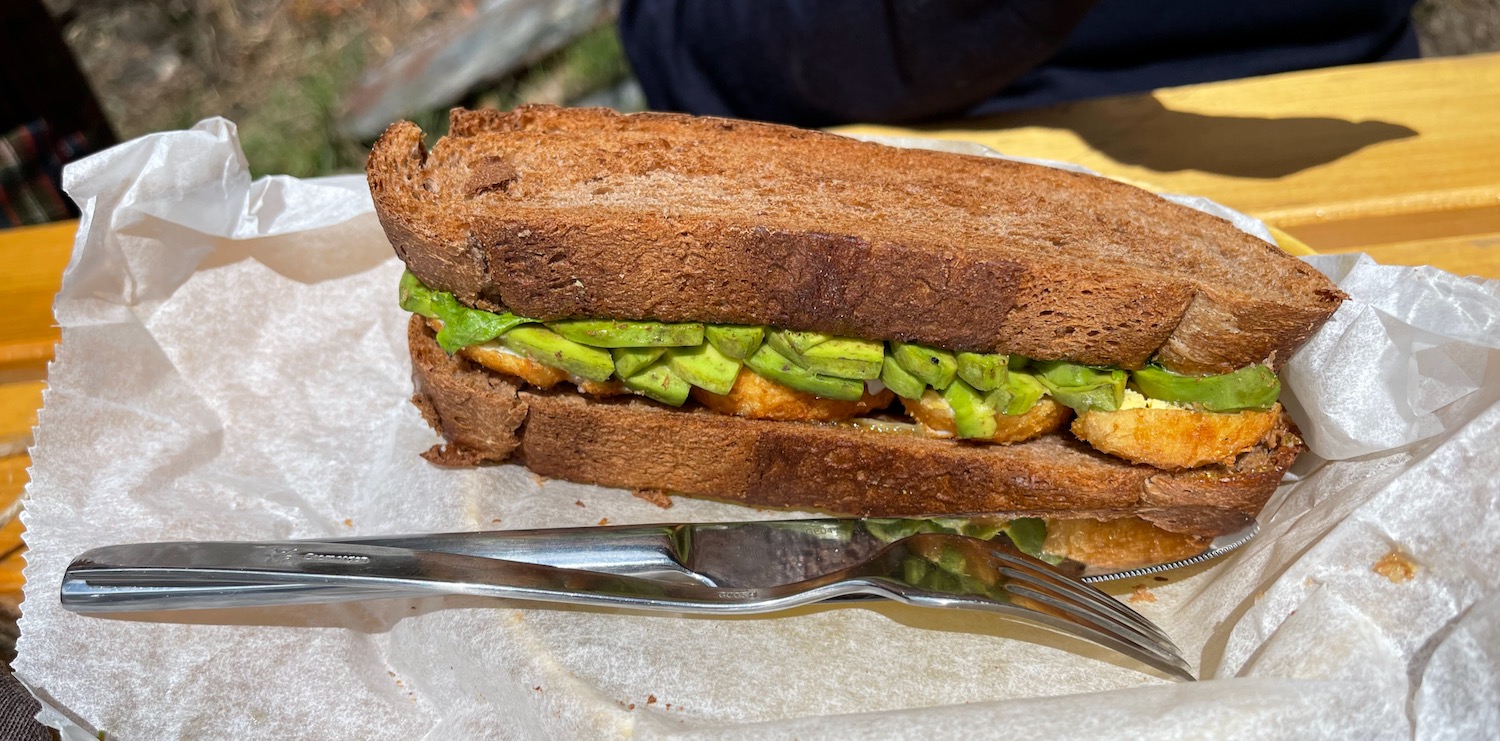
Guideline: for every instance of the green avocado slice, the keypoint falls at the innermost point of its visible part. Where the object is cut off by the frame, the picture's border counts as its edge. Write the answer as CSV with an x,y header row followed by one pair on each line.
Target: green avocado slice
x,y
462,326
734,341
1020,393
1028,534
1251,387
632,360
846,358
658,382
416,297
983,371
827,355
790,344
705,367
547,348
972,416
901,383
1081,387
608,333
773,365
937,368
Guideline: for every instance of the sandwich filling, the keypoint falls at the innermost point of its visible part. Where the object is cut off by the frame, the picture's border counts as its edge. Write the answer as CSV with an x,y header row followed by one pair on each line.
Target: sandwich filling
x,y
1150,415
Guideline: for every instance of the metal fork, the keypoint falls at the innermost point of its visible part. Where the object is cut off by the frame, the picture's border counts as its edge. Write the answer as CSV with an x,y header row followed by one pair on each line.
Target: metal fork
x,y
927,570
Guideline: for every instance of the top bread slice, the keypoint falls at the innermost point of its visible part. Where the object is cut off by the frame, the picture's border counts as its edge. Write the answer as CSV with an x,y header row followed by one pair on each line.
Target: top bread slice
x,y
556,213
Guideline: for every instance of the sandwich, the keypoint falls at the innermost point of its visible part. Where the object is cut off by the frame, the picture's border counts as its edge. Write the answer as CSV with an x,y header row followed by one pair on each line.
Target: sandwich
x,y
793,319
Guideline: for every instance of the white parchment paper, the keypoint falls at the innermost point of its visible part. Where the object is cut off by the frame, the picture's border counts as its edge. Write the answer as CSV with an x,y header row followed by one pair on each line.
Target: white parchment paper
x,y
233,367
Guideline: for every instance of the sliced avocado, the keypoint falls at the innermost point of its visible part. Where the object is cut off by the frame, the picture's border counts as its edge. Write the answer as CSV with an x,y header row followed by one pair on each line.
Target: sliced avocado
x,y
1251,387
937,368
1020,393
914,570
416,297
790,345
972,417
776,367
901,383
953,561
846,358
1027,533
793,344
1081,387
983,528
608,333
462,326
705,367
983,371
658,382
888,530
734,341
632,360
547,348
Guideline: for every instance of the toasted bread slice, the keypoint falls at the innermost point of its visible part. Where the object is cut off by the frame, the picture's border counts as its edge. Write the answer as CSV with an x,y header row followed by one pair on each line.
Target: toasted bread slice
x,y
558,213
635,444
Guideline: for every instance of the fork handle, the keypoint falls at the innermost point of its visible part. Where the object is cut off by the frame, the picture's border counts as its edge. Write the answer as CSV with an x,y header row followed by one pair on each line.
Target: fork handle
x,y
180,576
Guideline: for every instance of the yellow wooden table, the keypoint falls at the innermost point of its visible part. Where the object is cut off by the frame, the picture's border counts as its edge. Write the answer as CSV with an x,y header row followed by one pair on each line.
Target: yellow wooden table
x,y
1401,160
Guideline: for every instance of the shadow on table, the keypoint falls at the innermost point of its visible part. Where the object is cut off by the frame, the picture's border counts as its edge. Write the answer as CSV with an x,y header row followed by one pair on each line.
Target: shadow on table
x,y
1140,131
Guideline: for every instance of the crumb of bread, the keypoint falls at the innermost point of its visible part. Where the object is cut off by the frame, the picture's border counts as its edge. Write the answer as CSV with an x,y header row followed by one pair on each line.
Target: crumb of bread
x,y
1141,594
579,503
654,496
650,699
348,522
603,520
1396,566
538,479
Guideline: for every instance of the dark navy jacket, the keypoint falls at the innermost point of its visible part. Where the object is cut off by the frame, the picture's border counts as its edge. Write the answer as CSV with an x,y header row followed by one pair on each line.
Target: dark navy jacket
x,y
822,62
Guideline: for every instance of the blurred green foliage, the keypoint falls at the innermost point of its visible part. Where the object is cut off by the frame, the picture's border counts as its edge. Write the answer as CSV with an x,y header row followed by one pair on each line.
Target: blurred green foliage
x,y
295,130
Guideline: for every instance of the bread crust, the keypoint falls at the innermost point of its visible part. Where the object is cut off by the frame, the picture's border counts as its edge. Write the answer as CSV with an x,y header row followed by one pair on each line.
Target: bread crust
x,y
559,213
636,444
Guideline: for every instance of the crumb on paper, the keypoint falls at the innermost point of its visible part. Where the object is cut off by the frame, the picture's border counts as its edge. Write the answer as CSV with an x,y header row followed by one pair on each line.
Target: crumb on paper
x,y
1141,594
603,520
579,503
1159,578
539,479
538,688
654,496
650,699
1396,566
348,522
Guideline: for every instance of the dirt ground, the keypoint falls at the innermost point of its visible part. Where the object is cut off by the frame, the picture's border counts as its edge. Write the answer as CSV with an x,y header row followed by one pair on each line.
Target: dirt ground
x,y
279,68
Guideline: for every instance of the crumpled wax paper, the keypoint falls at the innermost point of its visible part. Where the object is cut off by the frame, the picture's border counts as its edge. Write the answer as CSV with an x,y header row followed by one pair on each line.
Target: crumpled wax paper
x,y
233,366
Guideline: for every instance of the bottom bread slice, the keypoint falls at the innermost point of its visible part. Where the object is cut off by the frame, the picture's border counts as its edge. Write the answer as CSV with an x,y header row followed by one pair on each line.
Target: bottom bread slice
x,y
843,469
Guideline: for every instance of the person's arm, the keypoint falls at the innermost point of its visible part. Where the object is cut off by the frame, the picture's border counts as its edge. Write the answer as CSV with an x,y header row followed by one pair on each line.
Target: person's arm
x,y
823,62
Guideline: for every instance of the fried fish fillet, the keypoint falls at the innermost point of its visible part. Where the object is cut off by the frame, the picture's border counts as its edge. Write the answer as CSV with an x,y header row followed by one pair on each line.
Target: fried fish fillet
x,y
1175,439
936,418
541,376
1124,543
757,397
